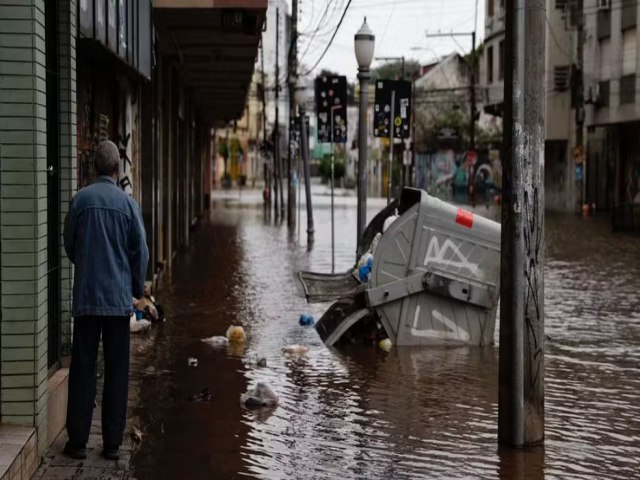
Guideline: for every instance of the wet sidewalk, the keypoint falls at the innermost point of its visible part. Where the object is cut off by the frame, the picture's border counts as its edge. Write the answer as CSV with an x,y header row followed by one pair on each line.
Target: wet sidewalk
x,y
56,465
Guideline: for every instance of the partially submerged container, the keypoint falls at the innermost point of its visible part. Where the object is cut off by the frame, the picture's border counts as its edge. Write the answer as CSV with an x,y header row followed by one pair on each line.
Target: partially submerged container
x,y
434,280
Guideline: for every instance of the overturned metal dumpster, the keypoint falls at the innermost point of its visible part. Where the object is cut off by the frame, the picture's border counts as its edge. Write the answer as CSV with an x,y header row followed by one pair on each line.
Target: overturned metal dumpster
x,y
434,279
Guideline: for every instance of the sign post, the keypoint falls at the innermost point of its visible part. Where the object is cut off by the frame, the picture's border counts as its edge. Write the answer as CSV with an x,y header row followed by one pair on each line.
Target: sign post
x,y
392,114
331,108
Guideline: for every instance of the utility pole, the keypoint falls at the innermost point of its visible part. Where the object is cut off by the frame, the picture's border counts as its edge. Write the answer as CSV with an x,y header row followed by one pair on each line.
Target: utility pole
x,y
521,376
579,106
472,78
292,78
267,173
276,147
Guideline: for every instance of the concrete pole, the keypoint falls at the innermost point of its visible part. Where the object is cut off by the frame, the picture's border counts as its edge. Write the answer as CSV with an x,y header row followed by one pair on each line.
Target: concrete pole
x,y
521,377
307,173
276,136
363,77
293,75
579,107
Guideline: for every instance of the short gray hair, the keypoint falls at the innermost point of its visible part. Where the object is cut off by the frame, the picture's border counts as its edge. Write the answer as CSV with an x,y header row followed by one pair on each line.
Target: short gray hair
x,y
107,158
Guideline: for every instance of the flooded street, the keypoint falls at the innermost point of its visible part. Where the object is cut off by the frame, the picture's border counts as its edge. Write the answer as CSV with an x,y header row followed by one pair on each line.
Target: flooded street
x,y
362,413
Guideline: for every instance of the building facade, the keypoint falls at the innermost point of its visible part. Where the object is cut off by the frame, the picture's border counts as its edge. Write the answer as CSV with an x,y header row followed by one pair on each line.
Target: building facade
x,y
155,78
612,83
561,189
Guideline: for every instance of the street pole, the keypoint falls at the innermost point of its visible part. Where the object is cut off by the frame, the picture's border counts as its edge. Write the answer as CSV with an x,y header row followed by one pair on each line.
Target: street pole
x,y
521,365
472,127
579,113
276,133
307,173
363,77
333,230
267,173
391,132
293,73
278,156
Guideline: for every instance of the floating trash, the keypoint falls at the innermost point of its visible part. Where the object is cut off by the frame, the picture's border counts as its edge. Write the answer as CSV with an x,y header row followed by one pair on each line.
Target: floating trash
x,y
203,395
306,320
260,396
255,360
385,344
235,334
136,434
216,341
192,362
295,349
137,326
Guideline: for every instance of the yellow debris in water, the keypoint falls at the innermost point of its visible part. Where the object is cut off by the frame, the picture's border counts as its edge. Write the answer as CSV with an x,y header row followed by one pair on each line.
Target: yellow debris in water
x,y
385,344
235,334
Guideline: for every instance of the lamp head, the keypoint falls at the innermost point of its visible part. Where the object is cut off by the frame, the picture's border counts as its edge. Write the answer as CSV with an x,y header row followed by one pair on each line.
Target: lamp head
x,y
365,42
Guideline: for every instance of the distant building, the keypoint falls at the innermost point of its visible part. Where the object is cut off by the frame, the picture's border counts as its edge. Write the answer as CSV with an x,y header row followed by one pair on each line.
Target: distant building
x,y
560,176
612,83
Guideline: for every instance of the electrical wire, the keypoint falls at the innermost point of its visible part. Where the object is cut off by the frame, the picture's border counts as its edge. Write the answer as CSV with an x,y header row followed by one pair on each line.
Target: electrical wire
x,y
344,13
315,32
393,8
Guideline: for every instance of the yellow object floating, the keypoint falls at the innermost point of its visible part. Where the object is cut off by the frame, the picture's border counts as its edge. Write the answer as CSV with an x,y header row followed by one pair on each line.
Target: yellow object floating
x,y
385,344
235,334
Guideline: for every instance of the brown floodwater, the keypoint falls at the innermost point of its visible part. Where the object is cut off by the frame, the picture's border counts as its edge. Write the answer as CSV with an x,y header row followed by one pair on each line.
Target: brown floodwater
x,y
362,413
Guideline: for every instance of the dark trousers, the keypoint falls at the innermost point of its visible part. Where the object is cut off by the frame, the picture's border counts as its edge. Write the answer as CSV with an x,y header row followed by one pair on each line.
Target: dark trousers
x,y
82,378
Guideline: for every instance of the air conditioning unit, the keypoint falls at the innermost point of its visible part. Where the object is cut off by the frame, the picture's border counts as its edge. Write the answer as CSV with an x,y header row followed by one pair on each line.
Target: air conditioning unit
x,y
604,4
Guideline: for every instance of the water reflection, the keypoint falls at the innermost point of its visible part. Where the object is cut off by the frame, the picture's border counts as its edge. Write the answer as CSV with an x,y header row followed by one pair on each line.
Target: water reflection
x,y
361,413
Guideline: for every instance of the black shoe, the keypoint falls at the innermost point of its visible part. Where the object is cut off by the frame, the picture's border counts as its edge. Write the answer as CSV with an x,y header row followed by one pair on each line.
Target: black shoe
x,y
77,452
111,453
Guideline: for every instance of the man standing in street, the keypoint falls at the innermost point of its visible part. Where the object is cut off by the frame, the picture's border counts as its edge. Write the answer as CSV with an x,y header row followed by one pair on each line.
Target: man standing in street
x,y
104,237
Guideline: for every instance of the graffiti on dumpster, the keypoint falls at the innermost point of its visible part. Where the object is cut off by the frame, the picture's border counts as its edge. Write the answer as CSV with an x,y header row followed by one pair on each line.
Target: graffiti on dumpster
x,y
447,254
450,330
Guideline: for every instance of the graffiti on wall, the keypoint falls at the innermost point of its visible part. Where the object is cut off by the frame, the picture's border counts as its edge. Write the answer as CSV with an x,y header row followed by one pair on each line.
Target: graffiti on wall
x,y
125,164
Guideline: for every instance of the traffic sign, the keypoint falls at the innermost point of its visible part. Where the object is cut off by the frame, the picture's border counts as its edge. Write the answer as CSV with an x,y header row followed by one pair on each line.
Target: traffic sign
x,y
331,100
402,111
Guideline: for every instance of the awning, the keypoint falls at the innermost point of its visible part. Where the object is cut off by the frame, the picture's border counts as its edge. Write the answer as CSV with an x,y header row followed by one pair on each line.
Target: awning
x,y
215,43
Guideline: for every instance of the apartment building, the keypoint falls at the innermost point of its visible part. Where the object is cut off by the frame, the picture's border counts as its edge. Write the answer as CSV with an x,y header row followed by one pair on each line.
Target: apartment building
x,y
560,169
612,83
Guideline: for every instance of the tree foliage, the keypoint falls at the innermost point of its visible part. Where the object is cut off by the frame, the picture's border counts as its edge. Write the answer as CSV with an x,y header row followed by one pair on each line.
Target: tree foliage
x,y
393,70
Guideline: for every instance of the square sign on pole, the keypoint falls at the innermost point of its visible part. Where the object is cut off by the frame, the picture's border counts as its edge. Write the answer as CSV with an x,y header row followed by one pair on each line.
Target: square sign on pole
x,y
401,111
331,101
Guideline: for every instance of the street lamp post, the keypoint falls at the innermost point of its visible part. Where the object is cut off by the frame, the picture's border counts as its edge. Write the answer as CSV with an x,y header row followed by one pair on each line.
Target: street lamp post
x,y
300,99
364,47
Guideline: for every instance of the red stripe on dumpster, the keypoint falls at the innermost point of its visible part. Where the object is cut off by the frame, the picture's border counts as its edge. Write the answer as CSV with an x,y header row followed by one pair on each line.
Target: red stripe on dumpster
x,y
464,218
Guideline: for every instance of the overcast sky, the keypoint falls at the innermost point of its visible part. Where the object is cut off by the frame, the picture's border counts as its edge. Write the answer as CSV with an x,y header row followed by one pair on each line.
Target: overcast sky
x,y
399,26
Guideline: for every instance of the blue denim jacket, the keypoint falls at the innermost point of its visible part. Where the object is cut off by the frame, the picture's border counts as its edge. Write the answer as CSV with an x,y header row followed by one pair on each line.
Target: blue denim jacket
x,y
104,237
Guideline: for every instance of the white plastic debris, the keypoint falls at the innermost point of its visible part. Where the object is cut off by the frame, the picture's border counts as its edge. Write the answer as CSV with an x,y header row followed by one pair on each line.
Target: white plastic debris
x,y
216,341
295,349
255,360
388,221
374,243
192,362
137,326
136,434
260,396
